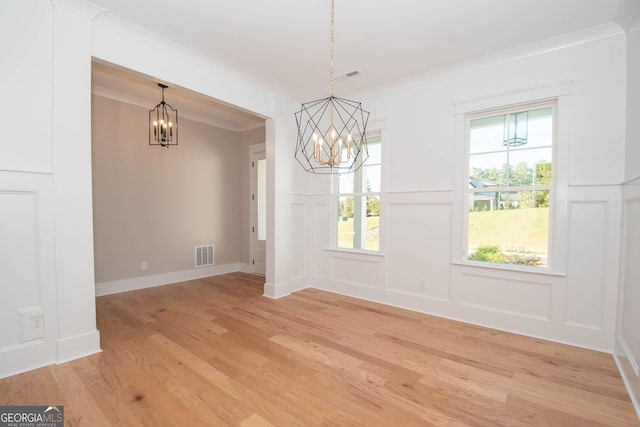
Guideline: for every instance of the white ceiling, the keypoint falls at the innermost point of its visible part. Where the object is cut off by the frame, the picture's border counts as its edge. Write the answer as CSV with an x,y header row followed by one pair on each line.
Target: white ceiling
x,y
285,43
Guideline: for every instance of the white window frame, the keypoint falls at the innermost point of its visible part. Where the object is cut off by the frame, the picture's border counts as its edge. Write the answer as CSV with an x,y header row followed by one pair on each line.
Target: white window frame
x,y
335,202
559,95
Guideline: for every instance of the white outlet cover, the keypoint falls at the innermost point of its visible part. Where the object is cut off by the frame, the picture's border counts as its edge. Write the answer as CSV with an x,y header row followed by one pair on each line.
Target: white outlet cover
x,y
31,323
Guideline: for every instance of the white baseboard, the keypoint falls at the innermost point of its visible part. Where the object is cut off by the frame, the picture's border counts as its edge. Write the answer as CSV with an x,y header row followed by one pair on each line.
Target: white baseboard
x,y
142,282
245,267
10,371
78,346
298,283
26,357
628,369
276,291
489,318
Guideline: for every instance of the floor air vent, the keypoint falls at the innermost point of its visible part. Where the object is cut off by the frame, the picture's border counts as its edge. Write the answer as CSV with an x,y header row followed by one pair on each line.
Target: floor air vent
x,y
204,255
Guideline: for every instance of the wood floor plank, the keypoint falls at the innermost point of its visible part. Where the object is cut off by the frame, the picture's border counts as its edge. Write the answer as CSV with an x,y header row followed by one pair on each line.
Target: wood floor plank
x,y
81,409
214,351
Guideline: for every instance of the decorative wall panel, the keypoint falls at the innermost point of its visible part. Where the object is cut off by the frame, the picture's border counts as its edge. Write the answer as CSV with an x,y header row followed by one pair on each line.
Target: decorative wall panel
x,y
18,262
419,249
587,256
505,295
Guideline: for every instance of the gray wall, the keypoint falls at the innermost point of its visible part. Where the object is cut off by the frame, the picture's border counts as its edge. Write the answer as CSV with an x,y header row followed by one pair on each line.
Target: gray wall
x,y
155,204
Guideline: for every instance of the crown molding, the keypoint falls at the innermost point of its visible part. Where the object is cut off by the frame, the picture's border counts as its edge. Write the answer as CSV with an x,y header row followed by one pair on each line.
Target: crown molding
x,y
79,7
577,38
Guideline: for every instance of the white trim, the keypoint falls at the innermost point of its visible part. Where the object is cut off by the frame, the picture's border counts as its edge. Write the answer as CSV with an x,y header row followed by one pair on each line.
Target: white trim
x,y
274,291
142,282
535,49
245,267
24,368
526,326
625,361
381,128
355,251
77,346
256,152
557,93
81,8
509,99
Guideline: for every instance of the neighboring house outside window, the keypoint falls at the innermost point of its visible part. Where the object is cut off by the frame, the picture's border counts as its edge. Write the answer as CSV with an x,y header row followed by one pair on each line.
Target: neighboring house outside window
x,y
510,191
358,202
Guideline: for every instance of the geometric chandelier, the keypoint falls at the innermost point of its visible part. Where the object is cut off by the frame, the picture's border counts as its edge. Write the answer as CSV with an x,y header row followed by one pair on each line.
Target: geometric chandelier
x,y
163,123
331,131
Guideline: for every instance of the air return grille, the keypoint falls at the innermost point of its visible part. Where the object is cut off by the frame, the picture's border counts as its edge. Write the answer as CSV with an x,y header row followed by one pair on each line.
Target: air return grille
x,y
347,75
205,255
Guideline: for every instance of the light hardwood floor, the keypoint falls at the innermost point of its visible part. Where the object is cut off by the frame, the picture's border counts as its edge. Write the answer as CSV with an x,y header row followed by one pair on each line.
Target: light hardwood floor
x,y
215,352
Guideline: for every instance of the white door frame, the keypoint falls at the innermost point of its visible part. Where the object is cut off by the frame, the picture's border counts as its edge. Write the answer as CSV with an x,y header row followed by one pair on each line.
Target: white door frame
x,y
256,247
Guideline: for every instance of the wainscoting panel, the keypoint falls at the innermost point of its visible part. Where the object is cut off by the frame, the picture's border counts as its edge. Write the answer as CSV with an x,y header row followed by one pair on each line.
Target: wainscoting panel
x,y
629,332
18,262
627,350
27,266
318,228
587,257
354,270
299,223
506,295
419,267
419,249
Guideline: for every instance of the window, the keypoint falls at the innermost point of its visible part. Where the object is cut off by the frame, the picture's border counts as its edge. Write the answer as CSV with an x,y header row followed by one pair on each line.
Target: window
x,y
358,201
509,191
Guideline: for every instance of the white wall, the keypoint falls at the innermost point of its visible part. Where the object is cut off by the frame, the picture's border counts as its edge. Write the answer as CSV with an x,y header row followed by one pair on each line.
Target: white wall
x,y
46,240
627,349
422,216
45,169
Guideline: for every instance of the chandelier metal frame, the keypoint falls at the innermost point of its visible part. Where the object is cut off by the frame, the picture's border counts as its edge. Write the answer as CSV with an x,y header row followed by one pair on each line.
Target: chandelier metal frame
x,y
163,123
331,131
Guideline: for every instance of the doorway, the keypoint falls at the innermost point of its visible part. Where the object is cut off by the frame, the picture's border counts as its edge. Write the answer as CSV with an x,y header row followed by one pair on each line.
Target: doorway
x,y
258,203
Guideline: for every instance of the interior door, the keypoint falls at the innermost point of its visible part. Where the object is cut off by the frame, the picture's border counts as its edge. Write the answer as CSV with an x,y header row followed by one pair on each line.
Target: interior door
x,y
258,209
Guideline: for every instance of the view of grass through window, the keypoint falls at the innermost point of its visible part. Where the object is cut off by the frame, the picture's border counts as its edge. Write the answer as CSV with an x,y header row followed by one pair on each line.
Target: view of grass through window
x,y
359,202
510,166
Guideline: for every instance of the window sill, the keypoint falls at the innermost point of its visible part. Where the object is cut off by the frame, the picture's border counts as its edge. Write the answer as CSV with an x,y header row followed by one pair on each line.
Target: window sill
x,y
509,268
354,252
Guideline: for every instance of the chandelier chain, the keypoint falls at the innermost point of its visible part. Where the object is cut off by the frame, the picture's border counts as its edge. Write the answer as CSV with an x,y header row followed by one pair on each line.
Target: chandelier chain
x,y
331,91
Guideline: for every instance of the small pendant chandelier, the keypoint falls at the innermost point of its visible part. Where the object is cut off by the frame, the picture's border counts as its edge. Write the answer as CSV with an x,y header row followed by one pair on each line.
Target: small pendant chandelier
x,y
163,123
331,131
